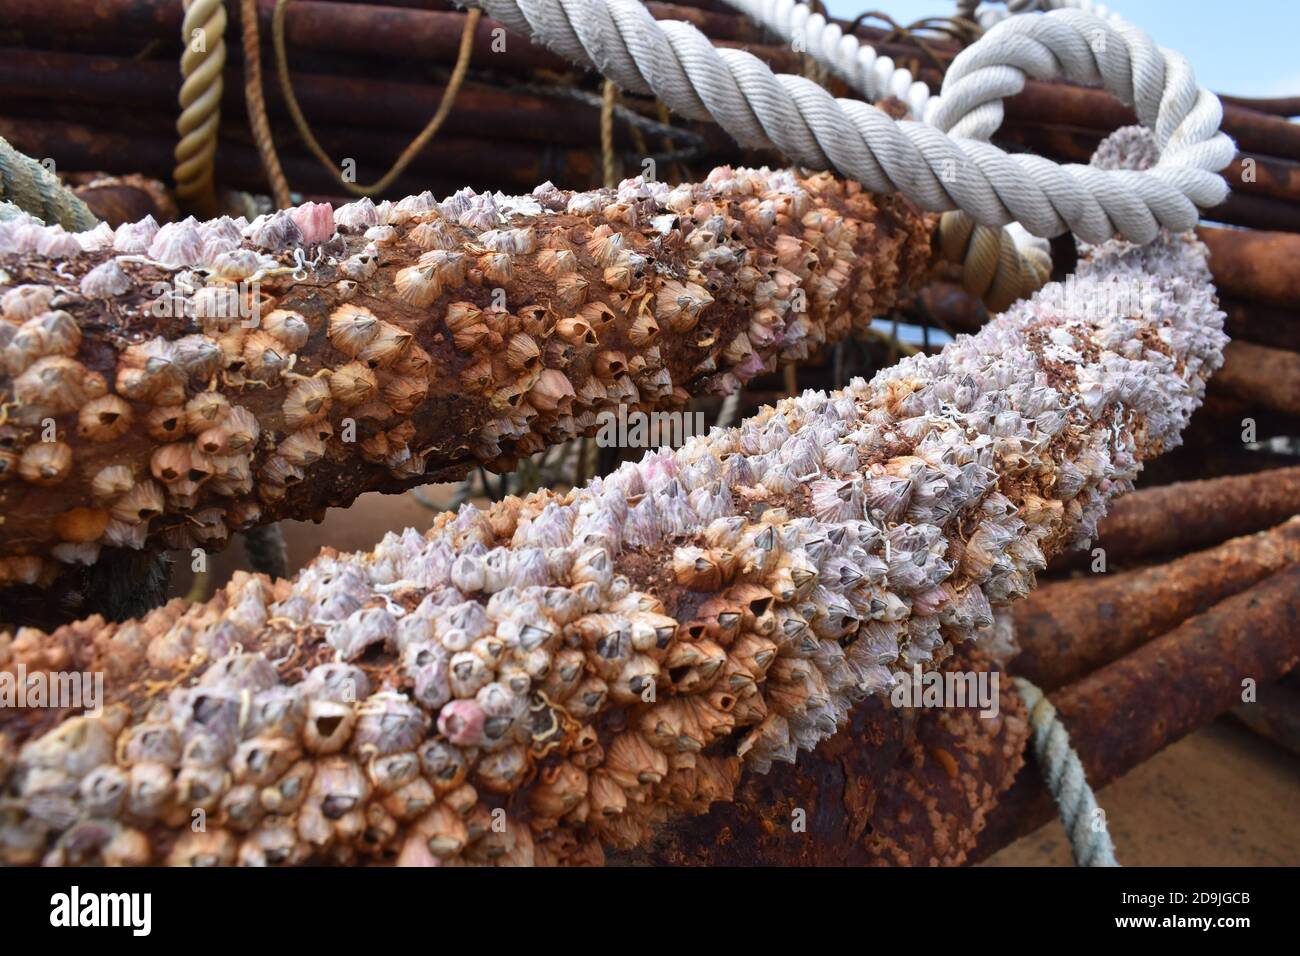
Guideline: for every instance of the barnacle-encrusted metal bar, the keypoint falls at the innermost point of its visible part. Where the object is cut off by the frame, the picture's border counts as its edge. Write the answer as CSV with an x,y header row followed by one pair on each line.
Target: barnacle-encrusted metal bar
x,y
166,386
588,663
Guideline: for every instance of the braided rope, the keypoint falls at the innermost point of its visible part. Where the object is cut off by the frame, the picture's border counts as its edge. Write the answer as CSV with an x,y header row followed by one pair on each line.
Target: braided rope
x,y
33,189
998,265
200,101
1063,774
677,63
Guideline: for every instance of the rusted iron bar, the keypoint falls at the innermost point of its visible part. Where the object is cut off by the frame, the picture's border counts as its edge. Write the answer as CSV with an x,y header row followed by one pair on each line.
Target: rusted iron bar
x,y
44,77
936,799
1128,711
1260,376
571,293
835,786
1067,629
720,23
1264,176
1256,212
120,199
898,785
429,35
1284,106
58,79
1192,514
1276,713
1255,266
1047,104
491,164
1265,324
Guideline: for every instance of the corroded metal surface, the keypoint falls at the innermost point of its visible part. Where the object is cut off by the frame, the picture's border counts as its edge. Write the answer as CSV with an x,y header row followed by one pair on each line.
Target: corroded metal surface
x,y
1067,629
166,387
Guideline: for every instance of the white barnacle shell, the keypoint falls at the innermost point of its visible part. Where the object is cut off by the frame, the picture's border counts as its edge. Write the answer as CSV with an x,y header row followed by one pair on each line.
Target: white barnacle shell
x,y
178,244
56,243
512,241
237,263
583,204
356,216
467,573
105,281
351,636
275,232
834,499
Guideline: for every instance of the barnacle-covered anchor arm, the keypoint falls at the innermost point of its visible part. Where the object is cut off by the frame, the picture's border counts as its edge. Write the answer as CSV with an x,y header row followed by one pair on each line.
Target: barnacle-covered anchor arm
x,y
592,662
163,387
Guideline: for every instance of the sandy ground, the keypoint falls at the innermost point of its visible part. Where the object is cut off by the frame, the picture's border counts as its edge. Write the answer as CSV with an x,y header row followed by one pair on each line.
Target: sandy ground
x,y
1220,797
1223,796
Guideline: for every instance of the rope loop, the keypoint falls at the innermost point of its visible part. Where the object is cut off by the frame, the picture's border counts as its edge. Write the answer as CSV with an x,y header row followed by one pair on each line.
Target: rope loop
x,y
679,65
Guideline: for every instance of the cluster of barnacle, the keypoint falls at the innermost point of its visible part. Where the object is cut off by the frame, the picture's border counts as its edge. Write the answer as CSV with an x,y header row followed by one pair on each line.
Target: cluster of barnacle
x,y
534,681
184,415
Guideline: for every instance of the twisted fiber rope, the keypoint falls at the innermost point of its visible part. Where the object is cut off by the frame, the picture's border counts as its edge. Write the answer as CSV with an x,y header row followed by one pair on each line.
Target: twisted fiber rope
x,y
1064,776
33,189
856,63
677,63
609,163
256,103
998,265
416,145
987,15
200,100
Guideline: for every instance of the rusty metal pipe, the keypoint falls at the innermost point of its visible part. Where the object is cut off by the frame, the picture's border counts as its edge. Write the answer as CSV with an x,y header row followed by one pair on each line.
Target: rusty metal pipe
x,y
1067,629
1255,266
1131,709
1260,376
1193,514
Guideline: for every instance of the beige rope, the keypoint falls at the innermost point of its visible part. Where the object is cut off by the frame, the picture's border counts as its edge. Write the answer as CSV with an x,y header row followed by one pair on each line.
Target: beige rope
x,y
416,145
256,105
992,267
609,162
200,102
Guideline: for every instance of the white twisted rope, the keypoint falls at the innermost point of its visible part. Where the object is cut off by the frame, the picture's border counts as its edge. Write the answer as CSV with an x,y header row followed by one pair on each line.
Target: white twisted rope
x,y
987,15
856,63
998,271
1063,774
678,64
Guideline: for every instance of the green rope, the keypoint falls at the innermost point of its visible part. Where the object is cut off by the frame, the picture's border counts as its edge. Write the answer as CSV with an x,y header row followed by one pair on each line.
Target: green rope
x,y
1084,821
35,190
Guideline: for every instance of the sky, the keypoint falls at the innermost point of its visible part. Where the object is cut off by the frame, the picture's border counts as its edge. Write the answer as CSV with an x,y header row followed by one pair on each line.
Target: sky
x,y
1246,47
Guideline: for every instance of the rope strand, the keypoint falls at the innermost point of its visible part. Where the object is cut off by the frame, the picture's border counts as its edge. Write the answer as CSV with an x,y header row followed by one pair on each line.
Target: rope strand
x,y
677,63
416,146
1063,774
253,97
